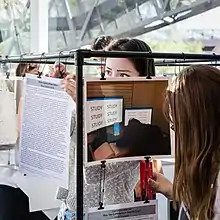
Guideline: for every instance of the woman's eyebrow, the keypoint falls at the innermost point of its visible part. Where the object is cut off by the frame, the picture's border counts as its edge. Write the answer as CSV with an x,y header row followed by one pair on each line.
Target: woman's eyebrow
x,y
108,68
128,71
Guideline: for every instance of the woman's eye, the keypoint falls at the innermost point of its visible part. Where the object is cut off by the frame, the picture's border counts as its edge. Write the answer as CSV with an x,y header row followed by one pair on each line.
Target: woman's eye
x,y
107,72
124,75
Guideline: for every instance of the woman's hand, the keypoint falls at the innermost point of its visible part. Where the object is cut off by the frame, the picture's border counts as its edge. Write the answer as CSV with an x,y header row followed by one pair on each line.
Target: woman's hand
x,y
69,85
161,184
59,70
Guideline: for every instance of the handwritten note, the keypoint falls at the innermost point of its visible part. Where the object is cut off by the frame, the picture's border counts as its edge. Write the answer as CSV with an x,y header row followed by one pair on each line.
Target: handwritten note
x,y
144,115
103,112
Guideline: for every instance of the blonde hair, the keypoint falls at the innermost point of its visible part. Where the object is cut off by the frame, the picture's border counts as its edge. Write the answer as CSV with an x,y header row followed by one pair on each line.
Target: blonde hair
x,y
192,105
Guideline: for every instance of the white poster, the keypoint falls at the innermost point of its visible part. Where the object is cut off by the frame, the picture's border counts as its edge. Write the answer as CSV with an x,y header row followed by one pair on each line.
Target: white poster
x,y
172,142
144,115
45,129
8,118
131,211
103,112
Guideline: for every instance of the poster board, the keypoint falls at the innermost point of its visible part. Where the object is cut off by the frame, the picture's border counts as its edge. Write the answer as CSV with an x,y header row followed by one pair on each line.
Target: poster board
x,y
8,111
132,211
137,93
45,129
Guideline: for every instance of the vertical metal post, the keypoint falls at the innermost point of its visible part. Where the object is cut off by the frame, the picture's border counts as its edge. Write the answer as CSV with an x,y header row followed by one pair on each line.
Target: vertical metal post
x,y
79,60
39,26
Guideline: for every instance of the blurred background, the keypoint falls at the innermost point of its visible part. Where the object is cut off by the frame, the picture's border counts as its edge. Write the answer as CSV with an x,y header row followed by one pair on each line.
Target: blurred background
x,y
36,26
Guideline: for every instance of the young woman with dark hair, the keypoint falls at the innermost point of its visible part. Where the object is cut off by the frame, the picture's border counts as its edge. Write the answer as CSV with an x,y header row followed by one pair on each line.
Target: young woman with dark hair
x,y
24,68
101,42
129,67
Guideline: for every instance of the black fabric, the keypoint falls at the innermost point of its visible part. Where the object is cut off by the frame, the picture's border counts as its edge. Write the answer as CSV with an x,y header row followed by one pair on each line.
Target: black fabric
x,y
14,205
172,212
38,216
144,139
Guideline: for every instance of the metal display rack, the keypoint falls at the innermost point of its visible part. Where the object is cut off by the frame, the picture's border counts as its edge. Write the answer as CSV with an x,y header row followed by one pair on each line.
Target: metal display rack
x,y
80,56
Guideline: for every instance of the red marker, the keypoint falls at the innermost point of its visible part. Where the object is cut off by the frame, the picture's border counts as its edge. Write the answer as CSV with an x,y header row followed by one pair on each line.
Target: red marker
x,y
143,178
149,171
146,172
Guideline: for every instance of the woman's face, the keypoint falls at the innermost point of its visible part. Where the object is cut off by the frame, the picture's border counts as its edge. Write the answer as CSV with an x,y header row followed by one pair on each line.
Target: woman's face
x,y
33,69
120,67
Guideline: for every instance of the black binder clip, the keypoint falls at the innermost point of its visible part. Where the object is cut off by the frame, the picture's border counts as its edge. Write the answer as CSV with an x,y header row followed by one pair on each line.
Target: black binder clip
x,y
102,76
147,161
7,75
149,76
103,164
148,72
102,73
39,75
102,185
6,68
101,206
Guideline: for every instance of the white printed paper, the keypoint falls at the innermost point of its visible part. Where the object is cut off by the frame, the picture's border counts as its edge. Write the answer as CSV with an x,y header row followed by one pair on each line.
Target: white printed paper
x,y
41,191
172,142
144,115
131,211
8,119
103,112
45,130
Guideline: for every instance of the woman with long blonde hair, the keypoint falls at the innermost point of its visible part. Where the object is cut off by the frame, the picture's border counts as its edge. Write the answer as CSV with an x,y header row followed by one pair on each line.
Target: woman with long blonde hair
x,y
192,106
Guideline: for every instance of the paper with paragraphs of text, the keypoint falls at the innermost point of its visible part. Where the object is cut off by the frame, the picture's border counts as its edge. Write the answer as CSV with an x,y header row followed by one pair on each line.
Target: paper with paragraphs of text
x,y
130,211
144,115
103,112
45,129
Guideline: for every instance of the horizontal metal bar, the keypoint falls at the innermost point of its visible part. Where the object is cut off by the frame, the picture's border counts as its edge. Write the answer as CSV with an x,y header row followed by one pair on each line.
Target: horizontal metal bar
x,y
154,55
165,58
35,61
50,62
185,64
184,61
40,57
88,63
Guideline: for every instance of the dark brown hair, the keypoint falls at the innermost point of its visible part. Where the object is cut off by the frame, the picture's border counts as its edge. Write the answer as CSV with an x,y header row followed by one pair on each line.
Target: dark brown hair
x,y
142,65
192,105
21,69
24,68
101,42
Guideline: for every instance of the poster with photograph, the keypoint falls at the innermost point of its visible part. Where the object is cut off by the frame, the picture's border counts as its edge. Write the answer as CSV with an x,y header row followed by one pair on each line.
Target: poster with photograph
x,y
124,118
